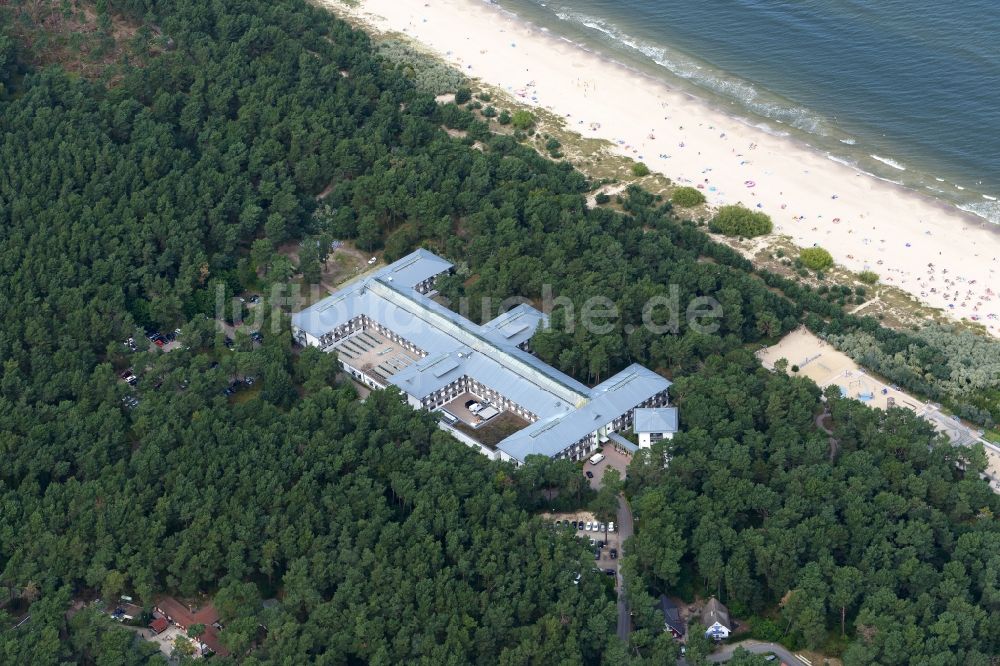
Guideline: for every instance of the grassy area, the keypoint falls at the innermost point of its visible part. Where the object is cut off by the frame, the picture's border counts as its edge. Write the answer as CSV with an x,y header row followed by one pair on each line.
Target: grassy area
x,y
84,38
496,430
992,436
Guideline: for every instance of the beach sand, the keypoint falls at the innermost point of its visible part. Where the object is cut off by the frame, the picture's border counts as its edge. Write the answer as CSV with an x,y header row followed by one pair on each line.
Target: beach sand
x,y
945,258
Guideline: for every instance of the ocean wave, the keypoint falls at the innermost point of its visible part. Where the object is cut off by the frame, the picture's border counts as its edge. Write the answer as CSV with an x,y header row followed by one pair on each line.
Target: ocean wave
x,y
988,210
704,76
842,160
849,142
889,162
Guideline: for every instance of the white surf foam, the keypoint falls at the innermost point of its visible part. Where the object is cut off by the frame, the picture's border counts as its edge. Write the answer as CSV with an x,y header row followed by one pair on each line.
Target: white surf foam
x,y
687,68
889,162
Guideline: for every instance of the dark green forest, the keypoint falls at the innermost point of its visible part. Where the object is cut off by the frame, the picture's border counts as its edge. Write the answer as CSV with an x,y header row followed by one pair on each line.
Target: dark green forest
x,y
128,201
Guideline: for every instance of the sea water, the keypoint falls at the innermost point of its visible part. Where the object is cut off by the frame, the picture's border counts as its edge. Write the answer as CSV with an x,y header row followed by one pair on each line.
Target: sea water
x,y
907,90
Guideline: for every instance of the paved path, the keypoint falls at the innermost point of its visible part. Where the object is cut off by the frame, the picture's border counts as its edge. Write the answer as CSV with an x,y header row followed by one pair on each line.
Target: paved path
x,y
834,444
725,653
624,532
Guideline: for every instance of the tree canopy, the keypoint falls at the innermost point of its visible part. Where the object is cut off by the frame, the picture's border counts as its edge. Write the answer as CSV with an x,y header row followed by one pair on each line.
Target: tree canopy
x,y
736,220
143,201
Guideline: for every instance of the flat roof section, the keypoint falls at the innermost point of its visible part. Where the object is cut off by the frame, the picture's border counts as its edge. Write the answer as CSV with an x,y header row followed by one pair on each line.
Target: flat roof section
x,y
659,419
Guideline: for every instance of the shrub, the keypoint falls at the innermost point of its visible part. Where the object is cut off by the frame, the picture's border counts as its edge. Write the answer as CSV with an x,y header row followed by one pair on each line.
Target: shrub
x,y
504,117
484,96
602,198
868,277
795,368
686,197
736,220
639,170
816,258
522,119
489,111
463,95
552,144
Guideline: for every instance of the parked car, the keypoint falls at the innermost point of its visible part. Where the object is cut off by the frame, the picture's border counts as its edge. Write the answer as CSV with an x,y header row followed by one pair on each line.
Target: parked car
x,y
372,260
593,543
611,527
590,474
576,581
600,544
248,381
579,525
597,554
558,523
601,527
610,572
590,526
614,553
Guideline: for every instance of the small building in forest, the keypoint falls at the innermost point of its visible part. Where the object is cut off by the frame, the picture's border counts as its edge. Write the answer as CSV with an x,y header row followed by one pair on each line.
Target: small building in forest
x,y
672,617
655,424
715,617
159,625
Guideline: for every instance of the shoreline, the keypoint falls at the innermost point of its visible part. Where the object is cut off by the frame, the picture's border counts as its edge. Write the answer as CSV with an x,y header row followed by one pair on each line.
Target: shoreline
x,y
943,256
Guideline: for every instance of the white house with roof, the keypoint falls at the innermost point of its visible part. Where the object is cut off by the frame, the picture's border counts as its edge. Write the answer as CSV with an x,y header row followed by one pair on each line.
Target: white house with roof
x,y
715,617
652,425
387,330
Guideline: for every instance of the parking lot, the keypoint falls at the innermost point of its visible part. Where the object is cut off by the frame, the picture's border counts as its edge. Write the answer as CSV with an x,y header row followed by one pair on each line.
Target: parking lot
x,y
611,539
612,458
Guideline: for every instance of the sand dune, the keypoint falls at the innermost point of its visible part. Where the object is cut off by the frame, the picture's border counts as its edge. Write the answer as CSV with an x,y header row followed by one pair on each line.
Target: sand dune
x,y
946,258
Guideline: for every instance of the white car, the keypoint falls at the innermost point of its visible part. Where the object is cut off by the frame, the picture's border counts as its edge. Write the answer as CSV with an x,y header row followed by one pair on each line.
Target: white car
x,y
372,260
590,526
600,528
611,527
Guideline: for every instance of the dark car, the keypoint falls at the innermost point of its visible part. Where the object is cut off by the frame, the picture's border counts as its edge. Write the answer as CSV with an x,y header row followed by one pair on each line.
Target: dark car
x,y
597,553
600,544
610,572
590,474
579,525
614,553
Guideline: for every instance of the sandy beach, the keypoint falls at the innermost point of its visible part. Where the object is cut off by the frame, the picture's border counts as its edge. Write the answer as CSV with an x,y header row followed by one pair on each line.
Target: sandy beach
x,y
944,257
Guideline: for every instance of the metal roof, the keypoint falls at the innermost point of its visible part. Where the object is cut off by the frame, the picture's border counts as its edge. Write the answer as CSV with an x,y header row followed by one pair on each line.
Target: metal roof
x,y
567,410
659,419
608,400
414,268
406,273
516,326
629,446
